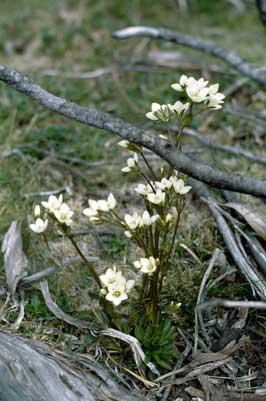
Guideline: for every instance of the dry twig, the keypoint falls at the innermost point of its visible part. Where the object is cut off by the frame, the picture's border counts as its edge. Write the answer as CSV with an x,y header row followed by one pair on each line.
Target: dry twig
x,y
185,40
233,304
198,315
53,307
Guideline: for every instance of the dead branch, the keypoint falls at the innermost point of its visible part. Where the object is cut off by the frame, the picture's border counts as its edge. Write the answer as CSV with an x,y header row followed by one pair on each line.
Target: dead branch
x,y
247,115
198,315
185,40
204,368
32,371
232,304
149,139
233,150
78,75
51,305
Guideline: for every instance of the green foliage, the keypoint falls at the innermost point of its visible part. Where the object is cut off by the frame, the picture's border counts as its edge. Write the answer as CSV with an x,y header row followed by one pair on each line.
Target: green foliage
x,y
116,245
36,307
158,343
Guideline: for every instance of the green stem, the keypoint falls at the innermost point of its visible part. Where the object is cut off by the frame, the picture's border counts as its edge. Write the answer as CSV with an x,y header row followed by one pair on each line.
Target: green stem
x,y
148,181
151,241
85,260
143,288
149,167
174,234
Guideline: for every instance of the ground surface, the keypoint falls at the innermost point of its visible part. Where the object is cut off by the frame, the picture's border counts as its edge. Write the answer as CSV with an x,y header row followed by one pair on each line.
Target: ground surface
x,y
53,41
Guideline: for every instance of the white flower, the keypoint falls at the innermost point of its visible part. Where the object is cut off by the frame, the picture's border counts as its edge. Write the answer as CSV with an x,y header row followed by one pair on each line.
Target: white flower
x,y
112,276
164,184
64,214
39,226
128,234
143,189
169,218
132,163
146,265
111,201
179,107
103,206
197,93
195,89
103,291
215,98
53,203
137,264
180,187
129,285
107,205
183,82
95,219
151,114
133,221
173,178
93,204
160,112
116,285
124,143
148,219
116,294
37,211
156,198
99,206
89,212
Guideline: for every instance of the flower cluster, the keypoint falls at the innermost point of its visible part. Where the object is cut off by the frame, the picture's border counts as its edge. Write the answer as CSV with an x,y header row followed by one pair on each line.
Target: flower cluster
x,y
139,221
155,192
160,112
146,265
55,208
136,221
97,208
154,229
198,91
164,112
115,286
132,164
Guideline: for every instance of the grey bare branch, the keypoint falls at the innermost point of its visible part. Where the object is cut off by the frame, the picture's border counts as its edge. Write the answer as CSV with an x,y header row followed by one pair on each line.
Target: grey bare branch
x,y
149,139
189,41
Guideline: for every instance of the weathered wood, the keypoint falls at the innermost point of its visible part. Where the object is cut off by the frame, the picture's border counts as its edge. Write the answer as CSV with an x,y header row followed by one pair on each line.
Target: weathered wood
x,y
14,257
31,371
